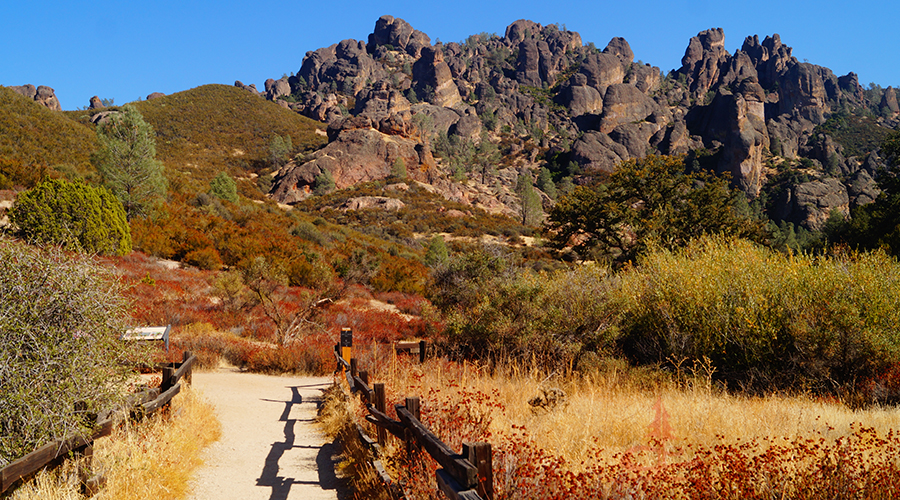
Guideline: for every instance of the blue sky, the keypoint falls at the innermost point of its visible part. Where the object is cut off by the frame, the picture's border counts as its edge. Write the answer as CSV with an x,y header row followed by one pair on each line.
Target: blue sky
x,y
126,50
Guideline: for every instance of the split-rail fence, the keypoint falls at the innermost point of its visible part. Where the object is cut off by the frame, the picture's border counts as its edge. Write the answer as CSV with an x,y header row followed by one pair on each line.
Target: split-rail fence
x,y
55,453
463,476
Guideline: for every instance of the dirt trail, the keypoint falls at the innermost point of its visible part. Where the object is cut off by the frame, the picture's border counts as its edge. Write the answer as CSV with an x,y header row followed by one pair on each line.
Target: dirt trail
x,y
270,447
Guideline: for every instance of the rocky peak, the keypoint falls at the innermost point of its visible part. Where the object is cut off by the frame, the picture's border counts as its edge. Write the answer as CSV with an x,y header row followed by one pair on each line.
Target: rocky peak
x,y
620,48
96,103
703,60
398,34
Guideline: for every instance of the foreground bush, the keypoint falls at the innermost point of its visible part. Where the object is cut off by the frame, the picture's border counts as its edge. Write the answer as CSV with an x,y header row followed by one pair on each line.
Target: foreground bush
x,y
763,318
60,354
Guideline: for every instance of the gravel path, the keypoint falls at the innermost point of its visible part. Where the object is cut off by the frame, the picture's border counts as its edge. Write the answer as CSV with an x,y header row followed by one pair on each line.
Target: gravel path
x,y
270,447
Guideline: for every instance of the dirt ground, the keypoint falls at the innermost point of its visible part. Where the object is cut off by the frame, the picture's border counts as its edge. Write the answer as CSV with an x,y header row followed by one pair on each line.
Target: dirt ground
x,y
270,446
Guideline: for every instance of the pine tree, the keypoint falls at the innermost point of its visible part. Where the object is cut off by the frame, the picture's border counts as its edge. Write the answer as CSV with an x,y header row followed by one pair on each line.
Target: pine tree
x,y
127,161
531,201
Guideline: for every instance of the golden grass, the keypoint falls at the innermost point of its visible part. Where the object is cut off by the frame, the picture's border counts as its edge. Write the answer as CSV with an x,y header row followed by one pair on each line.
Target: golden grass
x,y
337,422
150,460
618,410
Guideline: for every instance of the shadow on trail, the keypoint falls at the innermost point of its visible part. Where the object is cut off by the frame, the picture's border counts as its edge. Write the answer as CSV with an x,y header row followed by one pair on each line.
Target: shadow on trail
x,y
325,458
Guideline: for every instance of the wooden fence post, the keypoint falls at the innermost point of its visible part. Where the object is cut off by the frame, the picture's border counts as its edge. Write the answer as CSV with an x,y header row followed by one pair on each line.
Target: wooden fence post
x,y
380,406
346,344
421,353
168,381
413,405
187,375
364,375
353,367
479,454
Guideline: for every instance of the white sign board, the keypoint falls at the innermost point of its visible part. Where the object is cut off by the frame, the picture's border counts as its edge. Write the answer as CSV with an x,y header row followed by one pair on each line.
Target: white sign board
x,y
149,333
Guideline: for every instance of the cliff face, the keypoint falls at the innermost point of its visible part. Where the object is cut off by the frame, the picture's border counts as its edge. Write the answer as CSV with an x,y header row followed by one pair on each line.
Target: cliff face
x,y
548,100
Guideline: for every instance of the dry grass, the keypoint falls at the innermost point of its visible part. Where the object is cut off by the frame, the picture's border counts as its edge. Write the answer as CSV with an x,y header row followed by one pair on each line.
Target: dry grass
x,y
337,422
149,460
659,427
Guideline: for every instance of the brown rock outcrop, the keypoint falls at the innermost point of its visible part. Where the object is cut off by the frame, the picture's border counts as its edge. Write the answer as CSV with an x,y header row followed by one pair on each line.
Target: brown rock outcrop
x,y
602,70
43,95
432,78
889,101
96,103
277,88
354,156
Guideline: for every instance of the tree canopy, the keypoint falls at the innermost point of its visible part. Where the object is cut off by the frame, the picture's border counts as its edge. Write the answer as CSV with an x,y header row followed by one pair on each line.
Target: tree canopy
x,y
127,161
646,202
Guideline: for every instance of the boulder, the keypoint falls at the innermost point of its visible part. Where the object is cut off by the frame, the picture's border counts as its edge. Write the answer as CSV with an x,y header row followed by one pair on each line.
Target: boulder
x,y
635,137
889,101
811,203
249,88
398,34
372,203
602,70
624,103
645,77
520,31
862,189
43,95
380,101
96,103
277,88
596,152
155,95
468,126
579,97
620,48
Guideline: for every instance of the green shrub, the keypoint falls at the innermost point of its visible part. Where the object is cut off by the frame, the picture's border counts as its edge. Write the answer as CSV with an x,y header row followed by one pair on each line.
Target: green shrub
x,y
74,215
61,317
223,187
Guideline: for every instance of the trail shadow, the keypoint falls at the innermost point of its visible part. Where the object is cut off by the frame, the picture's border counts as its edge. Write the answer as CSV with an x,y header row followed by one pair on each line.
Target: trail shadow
x,y
325,458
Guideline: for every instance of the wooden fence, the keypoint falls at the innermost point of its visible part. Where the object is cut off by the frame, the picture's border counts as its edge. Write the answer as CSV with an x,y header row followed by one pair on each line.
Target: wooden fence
x,y
467,475
55,453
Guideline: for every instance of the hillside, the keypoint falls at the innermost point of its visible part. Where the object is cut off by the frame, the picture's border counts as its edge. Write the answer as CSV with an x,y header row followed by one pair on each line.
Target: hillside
x,y
216,127
34,140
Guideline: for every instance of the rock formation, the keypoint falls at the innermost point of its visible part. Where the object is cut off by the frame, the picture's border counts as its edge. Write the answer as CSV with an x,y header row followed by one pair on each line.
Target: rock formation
x,y
549,100
45,96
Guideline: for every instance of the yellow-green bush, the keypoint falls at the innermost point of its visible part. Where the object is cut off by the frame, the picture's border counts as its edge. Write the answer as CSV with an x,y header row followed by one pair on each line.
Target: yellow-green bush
x,y
764,318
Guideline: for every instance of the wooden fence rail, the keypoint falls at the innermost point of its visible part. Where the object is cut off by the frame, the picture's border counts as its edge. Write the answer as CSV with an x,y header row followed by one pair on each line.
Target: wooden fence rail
x,y
55,453
467,475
